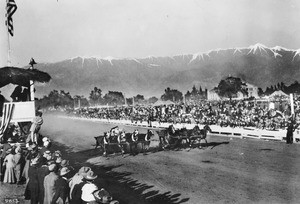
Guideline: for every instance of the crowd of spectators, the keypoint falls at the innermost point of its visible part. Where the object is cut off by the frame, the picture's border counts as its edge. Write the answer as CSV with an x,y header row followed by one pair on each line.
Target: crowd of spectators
x,y
48,176
245,113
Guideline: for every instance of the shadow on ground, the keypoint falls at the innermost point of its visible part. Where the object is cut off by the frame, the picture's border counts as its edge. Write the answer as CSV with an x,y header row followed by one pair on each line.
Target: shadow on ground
x,y
123,188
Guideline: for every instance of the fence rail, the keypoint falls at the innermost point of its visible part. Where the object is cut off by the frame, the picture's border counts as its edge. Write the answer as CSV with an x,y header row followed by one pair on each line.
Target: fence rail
x,y
239,132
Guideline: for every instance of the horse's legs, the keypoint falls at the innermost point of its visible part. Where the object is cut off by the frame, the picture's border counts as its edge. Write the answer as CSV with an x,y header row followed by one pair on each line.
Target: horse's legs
x,y
200,147
121,148
104,150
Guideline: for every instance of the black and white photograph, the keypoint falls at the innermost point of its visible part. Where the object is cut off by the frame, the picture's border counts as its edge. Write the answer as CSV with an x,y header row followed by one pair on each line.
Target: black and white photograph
x,y
149,101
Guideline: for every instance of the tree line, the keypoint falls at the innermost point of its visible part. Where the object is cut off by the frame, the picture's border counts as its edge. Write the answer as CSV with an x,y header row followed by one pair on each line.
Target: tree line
x,y
227,87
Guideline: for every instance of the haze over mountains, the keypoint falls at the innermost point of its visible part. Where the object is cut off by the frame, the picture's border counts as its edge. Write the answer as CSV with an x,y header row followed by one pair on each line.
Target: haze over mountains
x,y
256,64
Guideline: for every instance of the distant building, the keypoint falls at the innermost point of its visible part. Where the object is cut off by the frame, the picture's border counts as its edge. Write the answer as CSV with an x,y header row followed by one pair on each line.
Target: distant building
x,y
212,95
252,90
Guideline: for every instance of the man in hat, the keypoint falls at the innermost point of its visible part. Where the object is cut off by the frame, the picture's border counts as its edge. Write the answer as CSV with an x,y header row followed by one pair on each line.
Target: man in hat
x,y
36,126
76,183
32,187
89,188
19,162
46,145
61,187
4,148
42,171
49,184
291,127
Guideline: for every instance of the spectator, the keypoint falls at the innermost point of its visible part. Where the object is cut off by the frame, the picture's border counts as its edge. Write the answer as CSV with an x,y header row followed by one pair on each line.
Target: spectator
x,y
75,181
42,171
49,184
36,126
9,163
89,188
32,187
17,94
19,163
6,146
62,189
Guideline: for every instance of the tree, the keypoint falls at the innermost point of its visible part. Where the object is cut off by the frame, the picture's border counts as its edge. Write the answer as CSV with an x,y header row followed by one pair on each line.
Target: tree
x,y
139,99
230,86
260,92
114,98
95,96
172,95
152,100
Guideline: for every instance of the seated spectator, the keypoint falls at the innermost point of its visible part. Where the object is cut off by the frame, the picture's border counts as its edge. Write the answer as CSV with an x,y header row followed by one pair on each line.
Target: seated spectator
x,y
89,188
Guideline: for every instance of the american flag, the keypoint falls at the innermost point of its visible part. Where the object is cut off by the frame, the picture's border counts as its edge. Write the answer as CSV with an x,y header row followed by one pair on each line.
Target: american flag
x,y
11,8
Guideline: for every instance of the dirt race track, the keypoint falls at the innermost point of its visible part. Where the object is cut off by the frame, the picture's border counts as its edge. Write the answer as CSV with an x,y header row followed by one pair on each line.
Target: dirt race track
x,y
226,171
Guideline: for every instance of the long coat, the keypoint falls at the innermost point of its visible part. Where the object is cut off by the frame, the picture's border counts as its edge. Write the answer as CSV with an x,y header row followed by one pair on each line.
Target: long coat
x,y
62,190
49,187
33,184
43,171
4,148
19,162
9,175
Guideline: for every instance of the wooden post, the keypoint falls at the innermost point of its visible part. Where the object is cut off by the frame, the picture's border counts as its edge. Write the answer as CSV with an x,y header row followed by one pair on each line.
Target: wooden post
x,y
292,105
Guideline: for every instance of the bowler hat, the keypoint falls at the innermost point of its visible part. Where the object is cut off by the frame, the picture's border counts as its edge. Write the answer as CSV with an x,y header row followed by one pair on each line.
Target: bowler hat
x,y
52,167
90,176
64,171
83,170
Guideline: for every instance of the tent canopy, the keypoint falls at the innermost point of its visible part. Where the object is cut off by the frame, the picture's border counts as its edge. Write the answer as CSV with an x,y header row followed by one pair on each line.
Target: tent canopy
x,y
278,93
160,103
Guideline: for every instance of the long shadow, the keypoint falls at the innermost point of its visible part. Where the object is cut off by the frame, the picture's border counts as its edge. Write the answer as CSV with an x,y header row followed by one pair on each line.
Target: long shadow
x,y
122,188
213,144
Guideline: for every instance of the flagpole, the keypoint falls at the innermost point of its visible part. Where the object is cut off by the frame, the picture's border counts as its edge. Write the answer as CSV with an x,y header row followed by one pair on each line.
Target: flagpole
x,y
8,39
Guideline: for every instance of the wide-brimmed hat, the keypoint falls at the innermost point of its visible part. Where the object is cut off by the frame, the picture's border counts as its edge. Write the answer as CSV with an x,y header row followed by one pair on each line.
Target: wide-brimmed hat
x,y
52,167
47,152
18,150
64,163
58,160
83,170
35,160
90,176
46,143
64,171
45,139
57,152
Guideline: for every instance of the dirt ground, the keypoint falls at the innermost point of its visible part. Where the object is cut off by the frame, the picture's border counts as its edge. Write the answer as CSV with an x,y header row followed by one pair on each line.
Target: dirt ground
x,y
226,171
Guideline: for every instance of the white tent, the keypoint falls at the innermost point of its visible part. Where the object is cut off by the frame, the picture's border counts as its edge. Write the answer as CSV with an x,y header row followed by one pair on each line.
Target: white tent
x,y
278,93
160,103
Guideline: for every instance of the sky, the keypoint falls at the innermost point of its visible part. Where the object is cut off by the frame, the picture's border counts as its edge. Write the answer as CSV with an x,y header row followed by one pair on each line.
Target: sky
x,y
52,31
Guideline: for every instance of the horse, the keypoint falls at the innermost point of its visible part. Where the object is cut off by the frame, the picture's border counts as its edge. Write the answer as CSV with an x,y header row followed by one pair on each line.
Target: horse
x,y
112,137
143,138
170,137
199,134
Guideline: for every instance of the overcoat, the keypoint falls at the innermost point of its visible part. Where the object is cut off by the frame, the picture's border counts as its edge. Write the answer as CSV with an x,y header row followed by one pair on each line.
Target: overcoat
x,y
49,187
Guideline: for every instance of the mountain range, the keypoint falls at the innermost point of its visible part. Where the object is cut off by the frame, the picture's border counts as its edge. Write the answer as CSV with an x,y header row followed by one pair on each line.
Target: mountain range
x,y
257,64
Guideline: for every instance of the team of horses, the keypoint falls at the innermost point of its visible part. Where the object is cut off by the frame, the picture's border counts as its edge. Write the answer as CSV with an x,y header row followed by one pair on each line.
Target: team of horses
x,y
169,138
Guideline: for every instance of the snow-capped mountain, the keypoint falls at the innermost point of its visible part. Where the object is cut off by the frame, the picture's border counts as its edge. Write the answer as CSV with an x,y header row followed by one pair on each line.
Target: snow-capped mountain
x,y
256,64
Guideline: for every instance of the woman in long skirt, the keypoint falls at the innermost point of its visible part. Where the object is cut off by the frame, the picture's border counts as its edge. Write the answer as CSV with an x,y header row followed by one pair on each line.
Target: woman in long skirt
x,y
9,175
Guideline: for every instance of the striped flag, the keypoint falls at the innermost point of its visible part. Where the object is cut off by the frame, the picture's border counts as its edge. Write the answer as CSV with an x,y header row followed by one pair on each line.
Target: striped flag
x,y
11,8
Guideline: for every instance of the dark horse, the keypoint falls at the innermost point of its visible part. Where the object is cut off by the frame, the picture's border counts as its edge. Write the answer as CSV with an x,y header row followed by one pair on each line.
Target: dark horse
x,y
135,138
199,134
170,137
113,137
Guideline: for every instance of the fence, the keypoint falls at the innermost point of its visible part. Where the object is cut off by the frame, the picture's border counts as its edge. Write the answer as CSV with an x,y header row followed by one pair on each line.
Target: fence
x,y
239,132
